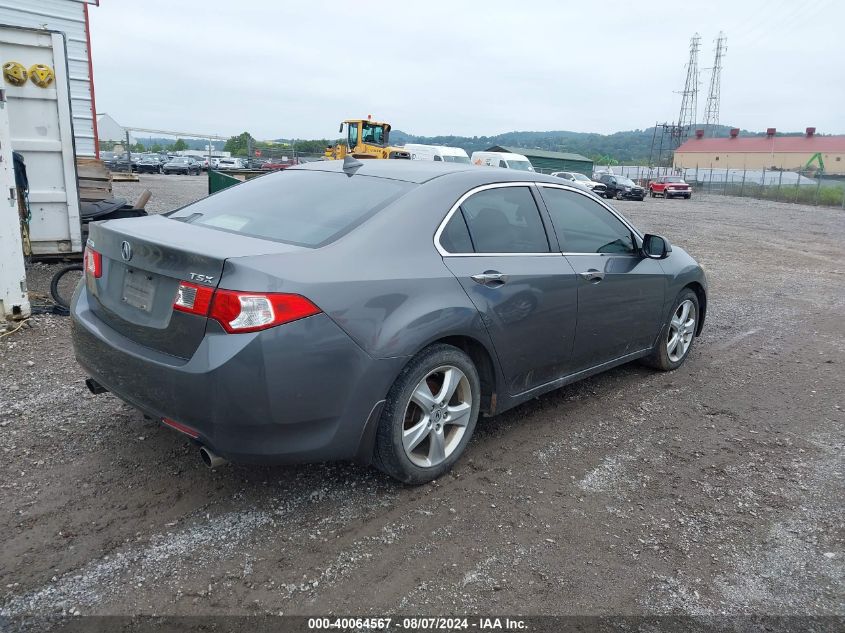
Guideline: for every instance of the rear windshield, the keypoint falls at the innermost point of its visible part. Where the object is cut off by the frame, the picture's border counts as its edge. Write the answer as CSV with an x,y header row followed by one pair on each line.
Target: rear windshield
x,y
305,208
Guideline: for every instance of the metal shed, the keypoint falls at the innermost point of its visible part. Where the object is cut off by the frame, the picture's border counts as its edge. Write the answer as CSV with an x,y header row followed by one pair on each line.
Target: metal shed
x,y
70,17
546,161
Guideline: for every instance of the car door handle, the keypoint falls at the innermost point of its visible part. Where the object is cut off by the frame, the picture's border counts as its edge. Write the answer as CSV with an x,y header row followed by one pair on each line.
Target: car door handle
x,y
592,275
490,278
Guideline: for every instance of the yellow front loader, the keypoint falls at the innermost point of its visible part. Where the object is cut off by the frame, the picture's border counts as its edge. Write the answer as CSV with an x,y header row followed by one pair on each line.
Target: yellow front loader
x,y
366,138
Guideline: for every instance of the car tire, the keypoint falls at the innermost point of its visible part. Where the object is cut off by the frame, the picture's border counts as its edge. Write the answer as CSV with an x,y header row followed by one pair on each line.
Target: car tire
x,y
652,194
415,442
665,356
688,196
620,195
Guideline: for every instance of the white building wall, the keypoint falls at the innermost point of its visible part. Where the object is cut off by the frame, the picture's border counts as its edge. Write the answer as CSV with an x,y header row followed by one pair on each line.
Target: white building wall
x,y
67,16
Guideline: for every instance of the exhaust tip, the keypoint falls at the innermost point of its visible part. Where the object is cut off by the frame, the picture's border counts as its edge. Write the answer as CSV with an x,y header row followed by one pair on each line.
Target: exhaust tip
x,y
95,387
211,459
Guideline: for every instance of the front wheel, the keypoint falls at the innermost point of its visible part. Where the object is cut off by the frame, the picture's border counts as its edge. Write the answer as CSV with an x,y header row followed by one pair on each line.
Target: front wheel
x,y
429,415
678,334
619,195
651,193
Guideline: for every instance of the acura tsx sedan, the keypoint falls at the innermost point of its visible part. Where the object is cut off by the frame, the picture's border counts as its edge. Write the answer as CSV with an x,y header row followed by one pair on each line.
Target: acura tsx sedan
x,y
371,310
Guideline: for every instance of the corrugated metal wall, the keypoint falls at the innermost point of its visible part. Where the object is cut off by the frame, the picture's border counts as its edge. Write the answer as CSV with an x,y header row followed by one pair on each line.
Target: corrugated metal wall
x,y
67,16
559,164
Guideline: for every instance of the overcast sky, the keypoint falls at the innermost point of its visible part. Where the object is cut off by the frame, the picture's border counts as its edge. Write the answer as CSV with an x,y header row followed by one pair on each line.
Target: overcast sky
x,y
466,67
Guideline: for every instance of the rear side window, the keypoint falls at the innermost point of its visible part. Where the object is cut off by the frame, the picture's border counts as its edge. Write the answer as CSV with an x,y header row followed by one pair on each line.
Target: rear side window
x,y
505,220
455,236
585,226
301,207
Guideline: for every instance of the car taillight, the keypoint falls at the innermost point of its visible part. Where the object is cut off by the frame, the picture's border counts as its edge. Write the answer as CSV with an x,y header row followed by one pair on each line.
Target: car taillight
x,y
193,298
93,263
250,311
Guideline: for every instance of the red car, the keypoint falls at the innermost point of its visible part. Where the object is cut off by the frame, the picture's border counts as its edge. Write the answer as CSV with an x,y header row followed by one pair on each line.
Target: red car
x,y
668,186
279,164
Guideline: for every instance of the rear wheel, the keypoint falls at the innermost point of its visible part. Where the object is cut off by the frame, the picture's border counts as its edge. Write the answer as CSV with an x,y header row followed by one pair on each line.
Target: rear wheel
x,y
429,415
678,334
651,193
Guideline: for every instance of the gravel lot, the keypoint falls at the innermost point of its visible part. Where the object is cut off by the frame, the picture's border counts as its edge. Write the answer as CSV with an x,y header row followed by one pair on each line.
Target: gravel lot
x,y
714,489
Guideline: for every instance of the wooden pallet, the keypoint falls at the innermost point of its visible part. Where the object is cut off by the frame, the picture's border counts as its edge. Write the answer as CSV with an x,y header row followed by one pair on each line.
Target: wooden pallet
x,y
123,176
94,180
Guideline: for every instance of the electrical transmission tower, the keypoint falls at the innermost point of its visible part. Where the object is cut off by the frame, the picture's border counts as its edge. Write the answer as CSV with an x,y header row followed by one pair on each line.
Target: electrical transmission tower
x,y
711,111
689,96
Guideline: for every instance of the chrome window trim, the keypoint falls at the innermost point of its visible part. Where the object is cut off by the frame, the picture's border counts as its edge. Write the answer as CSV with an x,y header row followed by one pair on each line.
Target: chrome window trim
x,y
444,253
613,212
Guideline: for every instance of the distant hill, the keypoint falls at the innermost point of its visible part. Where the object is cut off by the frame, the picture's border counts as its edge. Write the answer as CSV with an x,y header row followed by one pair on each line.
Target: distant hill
x,y
626,147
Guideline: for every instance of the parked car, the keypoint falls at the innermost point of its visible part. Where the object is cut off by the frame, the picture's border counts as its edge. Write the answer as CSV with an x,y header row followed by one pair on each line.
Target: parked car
x,y
669,186
202,161
501,159
119,163
259,331
149,165
598,188
276,163
182,165
622,188
231,163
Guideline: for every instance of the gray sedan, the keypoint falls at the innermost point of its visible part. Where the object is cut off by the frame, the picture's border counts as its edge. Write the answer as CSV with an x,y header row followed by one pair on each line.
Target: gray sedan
x,y
371,310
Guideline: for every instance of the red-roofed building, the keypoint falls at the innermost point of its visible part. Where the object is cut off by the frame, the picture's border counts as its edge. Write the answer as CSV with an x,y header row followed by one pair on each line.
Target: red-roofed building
x,y
763,152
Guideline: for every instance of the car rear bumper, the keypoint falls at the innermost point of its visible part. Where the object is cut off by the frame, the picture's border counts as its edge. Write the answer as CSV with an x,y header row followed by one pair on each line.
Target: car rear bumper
x,y
303,391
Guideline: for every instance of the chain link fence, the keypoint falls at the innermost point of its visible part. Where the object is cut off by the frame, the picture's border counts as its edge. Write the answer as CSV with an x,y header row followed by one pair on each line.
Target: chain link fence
x,y
802,187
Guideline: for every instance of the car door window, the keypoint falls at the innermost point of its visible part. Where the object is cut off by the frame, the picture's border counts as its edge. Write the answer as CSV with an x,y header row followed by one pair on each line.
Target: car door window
x,y
585,226
505,220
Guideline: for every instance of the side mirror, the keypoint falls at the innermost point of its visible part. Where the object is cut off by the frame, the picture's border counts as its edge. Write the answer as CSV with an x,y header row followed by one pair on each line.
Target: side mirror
x,y
341,128
656,246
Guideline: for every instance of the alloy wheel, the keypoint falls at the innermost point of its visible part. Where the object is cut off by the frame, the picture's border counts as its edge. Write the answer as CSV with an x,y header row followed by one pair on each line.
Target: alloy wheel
x,y
436,416
681,331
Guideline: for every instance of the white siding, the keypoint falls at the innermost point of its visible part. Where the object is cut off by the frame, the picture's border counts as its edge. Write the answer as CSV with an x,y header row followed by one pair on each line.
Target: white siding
x,y
68,17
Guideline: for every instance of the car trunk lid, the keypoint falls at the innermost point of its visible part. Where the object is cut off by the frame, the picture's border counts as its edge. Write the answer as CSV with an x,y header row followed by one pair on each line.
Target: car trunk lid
x,y
144,260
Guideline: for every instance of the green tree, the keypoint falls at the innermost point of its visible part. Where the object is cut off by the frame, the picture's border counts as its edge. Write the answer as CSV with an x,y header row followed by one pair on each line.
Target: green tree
x,y
180,145
139,147
239,145
156,148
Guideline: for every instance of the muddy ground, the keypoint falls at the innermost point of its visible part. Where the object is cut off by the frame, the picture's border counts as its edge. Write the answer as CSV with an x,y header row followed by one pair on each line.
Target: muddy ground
x,y
714,489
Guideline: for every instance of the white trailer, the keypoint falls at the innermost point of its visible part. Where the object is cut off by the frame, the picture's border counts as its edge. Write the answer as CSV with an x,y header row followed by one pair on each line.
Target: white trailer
x,y
41,129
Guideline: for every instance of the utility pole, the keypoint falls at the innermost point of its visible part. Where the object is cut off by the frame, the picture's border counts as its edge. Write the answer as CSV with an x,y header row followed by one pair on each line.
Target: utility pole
x,y
711,112
689,96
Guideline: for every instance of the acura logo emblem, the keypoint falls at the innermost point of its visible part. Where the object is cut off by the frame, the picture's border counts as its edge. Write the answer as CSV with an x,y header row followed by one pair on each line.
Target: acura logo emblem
x,y
126,251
